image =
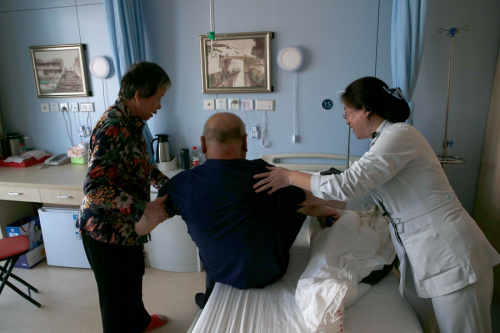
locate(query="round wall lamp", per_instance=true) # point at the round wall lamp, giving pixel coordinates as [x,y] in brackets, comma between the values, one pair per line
[99,67]
[290,58]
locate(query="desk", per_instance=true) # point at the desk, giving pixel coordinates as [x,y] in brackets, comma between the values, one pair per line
[172,249]
[19,187]
[61,185]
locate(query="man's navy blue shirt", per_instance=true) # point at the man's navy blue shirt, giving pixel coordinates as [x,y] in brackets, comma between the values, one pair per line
[243,237]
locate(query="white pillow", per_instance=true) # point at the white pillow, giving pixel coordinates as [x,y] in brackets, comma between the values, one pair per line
[340,257]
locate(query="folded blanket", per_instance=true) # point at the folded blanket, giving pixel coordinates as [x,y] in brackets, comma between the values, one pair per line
[341,256]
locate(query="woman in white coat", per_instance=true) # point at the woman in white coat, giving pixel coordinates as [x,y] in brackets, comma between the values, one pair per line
[445,260]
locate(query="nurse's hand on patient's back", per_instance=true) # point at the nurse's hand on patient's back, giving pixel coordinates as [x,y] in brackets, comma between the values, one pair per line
[275,179]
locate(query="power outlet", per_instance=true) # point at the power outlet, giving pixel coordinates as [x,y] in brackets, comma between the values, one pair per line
[247,104]
[235,104]
[221,104]
[73,107]
[63,107]
[208,104]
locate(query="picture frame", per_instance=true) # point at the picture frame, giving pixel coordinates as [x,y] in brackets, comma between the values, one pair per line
[236,63]
[59,70]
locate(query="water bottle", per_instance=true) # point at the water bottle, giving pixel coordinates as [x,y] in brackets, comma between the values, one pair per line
[21,148]
[195,157]
[27,144]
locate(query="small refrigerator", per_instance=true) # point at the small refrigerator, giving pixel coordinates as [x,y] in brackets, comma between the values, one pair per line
[63,243]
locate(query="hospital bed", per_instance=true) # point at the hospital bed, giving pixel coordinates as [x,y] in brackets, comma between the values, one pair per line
[320,290]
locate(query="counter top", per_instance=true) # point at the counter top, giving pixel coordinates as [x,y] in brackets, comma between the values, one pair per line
[68,176]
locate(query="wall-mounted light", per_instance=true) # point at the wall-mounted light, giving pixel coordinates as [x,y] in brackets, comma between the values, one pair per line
[290,58]
[99,67]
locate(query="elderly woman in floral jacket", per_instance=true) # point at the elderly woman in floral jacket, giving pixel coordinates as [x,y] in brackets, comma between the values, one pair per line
[117,195]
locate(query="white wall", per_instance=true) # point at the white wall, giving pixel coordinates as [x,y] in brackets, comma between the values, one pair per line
[342,40]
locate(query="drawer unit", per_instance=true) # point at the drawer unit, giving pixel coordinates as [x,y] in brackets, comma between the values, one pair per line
[19,193]
[61,196]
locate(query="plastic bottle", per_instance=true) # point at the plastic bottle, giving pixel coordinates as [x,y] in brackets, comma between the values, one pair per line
[27,144]
[21,148]
[195,157]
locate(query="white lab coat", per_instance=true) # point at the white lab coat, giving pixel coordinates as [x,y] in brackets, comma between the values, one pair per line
[446,249]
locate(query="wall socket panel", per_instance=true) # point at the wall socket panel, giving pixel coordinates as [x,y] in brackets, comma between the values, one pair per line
[45,107]
[264,104]
[247,104]
[63,107]
[73,107]
[54,107]
[87,107]
[208,104]
[234,104]
[221,103]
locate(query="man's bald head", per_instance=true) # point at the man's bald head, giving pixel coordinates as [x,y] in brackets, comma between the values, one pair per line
[223,128]
[224,136]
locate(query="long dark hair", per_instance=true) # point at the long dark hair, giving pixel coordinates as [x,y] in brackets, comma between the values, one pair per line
[145,77]
[374,95]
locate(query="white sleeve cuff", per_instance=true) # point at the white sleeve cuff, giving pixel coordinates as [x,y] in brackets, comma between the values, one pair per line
[315,185]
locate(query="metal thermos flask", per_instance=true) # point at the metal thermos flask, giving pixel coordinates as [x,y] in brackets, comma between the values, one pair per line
[185,162]
[10,144]
[162,148]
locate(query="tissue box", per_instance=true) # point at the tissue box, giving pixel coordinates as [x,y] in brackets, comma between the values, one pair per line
[31,258]
[79,150]
[29,226]
[80,160]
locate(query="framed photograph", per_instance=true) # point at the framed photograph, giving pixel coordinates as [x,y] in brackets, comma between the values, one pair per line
[236,63]
[59,70]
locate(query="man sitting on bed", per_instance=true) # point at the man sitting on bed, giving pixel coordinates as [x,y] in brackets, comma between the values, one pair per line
[243,237]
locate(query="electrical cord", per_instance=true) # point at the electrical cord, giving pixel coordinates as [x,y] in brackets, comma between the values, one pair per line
[294,116]
[263,138]
[70,133]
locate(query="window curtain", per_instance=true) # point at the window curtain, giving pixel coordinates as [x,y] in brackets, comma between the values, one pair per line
[407,41]
[124,19]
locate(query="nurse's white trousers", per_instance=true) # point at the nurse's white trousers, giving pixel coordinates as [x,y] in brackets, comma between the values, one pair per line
[466,310]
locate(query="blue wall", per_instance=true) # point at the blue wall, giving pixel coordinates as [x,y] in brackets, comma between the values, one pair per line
[341,40]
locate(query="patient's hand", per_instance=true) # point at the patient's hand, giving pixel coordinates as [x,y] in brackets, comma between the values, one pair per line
[327,221]
[320,211]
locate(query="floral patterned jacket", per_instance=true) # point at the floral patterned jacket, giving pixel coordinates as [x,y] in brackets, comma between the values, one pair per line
[117,185]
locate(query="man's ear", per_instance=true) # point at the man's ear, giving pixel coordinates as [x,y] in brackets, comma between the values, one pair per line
[244,145]
[203,145]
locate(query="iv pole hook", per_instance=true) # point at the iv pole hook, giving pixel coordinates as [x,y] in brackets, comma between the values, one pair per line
[211,34]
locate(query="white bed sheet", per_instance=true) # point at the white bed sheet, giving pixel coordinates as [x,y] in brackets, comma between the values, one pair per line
[274,309]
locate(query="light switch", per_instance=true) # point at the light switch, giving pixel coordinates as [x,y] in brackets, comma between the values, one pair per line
[87,107]
[54,107]
[264,104]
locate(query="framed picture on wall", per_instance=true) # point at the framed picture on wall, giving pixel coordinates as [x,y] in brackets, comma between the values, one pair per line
[59,70]
[236,63]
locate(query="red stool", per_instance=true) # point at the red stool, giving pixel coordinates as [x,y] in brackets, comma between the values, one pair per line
[11,248]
